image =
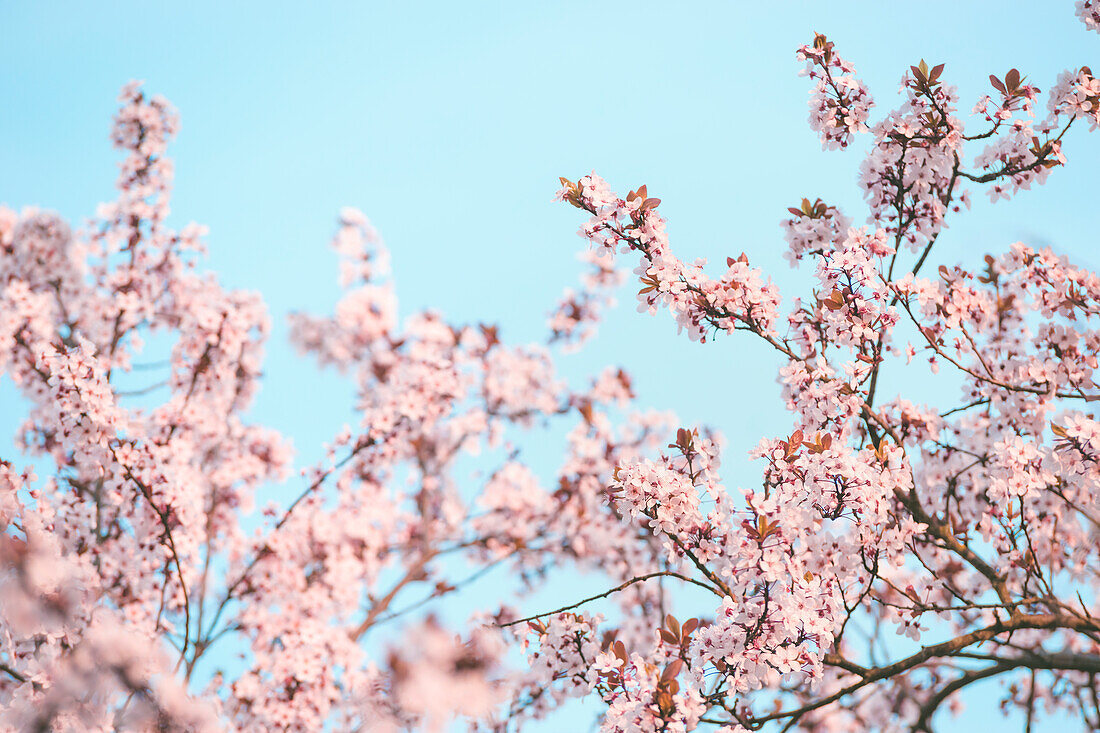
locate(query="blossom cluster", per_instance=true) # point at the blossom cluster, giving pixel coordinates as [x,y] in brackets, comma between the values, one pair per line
[741,298]
[839,102]
[1089,13]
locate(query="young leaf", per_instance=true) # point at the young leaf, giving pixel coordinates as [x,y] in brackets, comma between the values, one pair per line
[672,670]
[673,625]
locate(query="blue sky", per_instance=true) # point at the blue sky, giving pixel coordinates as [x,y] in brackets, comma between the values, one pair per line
[449,123]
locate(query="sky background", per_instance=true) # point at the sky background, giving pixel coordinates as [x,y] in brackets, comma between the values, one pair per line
[448,124]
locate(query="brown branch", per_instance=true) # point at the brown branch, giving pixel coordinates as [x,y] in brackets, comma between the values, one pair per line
[607,593]
[943,649]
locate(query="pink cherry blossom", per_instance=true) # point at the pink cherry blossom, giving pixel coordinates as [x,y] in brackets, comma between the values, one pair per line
[891,552]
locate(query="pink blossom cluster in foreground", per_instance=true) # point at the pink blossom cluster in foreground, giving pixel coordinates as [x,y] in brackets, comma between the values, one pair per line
[892,554]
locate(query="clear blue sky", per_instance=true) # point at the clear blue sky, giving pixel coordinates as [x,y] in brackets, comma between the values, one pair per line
[449,123]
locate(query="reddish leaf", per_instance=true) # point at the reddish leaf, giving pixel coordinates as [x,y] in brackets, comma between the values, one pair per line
[672,670]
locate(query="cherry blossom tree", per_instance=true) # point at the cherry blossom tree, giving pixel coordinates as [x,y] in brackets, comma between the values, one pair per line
[890,555]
